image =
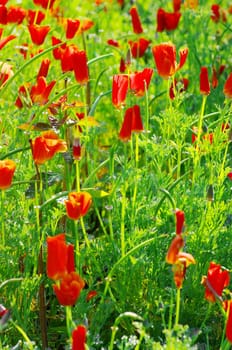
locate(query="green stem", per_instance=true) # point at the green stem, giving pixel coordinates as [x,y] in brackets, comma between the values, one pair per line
[123,212]
[177,306]
[69,321]
[2,218]
[77,245]
[84,232]
[77,175]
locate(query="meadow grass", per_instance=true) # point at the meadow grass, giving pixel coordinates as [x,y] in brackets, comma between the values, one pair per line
[136,186]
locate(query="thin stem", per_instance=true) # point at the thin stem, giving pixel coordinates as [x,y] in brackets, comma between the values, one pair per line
[69,321]
[2,217]
[77,175]
[77,245]
[123,212]
[177,306]
[84,232]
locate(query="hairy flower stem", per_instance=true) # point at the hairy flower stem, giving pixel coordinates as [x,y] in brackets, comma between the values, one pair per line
[177,306]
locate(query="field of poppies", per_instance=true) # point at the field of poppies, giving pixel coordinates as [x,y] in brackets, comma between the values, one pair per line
[115,175]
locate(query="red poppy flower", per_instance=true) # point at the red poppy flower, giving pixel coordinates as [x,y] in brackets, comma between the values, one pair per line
[38,33]
[67,58]
[180,217]
[217,279]
[132,123]
[79,338]
[228,87]
[68,288]
[7,169]
[90,295]
[165,59]
[86,24]
[217,13]
[167,20]
[44,147]
[44,3]
[40,92]
[113,42]
[5,40]
[138,47]
[3,2]
[175,247]
[35,17]
[58,51]
[119,89]
[140,81]
[176,5]
[136,23]
[15,14]
[6,72]
[228,308]
[60,257]
[3,14]
[72,27]
[80,67]
[78,204]
[204,81]
[180,267]
[180,86]
[122,66]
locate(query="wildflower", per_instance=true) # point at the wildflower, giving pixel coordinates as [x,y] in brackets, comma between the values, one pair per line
[44,147]
[138,47]
[35,17]
[40,92]
[72,27]
[215,281]
[58,51]
[38,33]
[86,24]
[80,67]
[60,257]
[204,81]
[15,14]
[167,20]
[165,59]
[119,89]
[7,169]
[67,57]
[228,308]
[175,247]
[79,338]
[217,13]
[228,87]
[132,123]
[68,288]
[178,86]
[179,221]
[44,3]
[136,23]
[3,14]
[6,73]
[78,204]
[91,294]
[44,67]
[140,81]
[180,267]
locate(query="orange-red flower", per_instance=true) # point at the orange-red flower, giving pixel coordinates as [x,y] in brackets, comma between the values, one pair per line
[44,3]
[40,92]
[7,169]
[204,81]
[80,67]
[35,17]
[138,47]
[68,288]
[78,204]
[132,123]
[165,59]
[60,257]
[15,14]
[176,5]
[180,267]
[3,14]
[167,20]
[58,51]
[44,147]
[72,27]
[113,42]
[217,13]
[79,338]
[136,23]
[38,33]
[228,308]
[119,89]
[44,67]
[228,87]
[217,279]
[174,249]
[67,57]
[140,81]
